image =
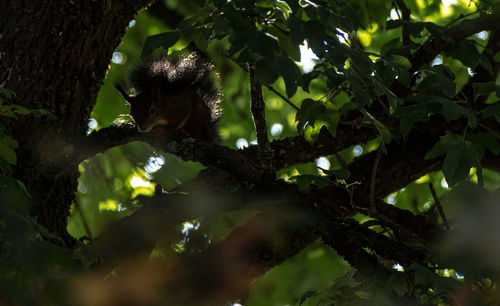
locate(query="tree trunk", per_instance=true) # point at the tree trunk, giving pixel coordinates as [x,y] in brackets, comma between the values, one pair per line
[53,56]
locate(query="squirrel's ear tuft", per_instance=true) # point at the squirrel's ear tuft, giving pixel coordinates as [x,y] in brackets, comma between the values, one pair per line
[129,99]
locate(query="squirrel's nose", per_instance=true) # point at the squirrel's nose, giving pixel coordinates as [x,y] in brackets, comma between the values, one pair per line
[143,129]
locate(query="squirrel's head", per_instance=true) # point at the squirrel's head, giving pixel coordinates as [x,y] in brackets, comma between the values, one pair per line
[153,108]
[142,109]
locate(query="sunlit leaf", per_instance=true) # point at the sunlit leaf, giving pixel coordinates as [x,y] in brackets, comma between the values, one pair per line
[164,40]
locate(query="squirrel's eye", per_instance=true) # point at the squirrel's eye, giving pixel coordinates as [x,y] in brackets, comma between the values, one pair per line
[152,110]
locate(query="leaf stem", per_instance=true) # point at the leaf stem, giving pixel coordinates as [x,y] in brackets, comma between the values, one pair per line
[439,207]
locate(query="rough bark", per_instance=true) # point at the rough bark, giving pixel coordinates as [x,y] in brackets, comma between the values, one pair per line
[55,58]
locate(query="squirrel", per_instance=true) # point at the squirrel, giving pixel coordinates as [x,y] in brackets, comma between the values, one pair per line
[175,93]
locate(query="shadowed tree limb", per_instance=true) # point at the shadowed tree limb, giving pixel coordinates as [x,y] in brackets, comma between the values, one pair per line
[258,109]
[451,36]
[405,11]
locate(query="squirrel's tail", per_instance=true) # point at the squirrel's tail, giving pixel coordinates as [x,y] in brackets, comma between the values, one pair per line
[174,72]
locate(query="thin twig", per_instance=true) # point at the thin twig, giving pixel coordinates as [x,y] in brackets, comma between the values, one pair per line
[280,29]
[439,207]
[281,96]
[267,86]
[460,18]
[489,130]
[234,60]
[84,220]
[341,160]
[373,179]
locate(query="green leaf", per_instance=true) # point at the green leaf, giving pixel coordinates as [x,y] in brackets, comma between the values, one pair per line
[385,72]
[423,276]
[6,111]
[485,140]
[365,295]
[7,149]
[307,79]
[164,40]
[5,167]
[453,111]
[266,71]
[283,7]
[291,74]
[485,62]
[461,155]
[284,41]
[415,28]
[446,143]
[297,32]
[187,25]
[456,165]
[341,173]
[307,179]
[433,28]
[236,19]
[221,27]
[389,46]
[362,62]
[328,19]
[334,79]
[263,44]
[361,96]
[496,57]
[306,295]
[308,112]
[6,92]
[410,115]
[393,24]
[464,51]
[19,109]
[404,77]
[384,132]
[42,112]
[401,60]
[238,41]
[492,110]
[201,38]
[397,283]
[438,78]
[316,37]
[483,88]
[475,159]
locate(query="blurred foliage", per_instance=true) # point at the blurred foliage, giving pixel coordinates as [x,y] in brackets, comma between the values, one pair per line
[358,54]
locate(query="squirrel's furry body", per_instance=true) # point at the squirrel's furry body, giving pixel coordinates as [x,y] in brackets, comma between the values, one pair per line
[175,93]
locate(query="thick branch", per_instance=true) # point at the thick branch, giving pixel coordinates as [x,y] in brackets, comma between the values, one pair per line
[453,35]
[290,221]
[288,152]
[481,73]
[104,139]
[159,214]
[405,11]
[258,109]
